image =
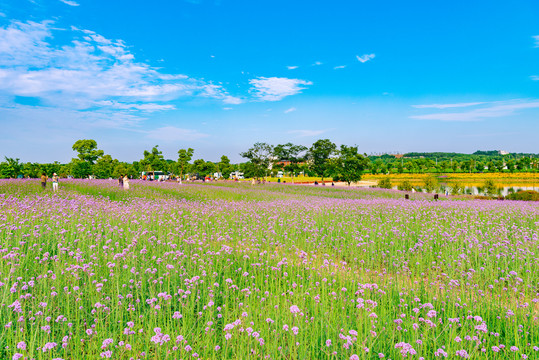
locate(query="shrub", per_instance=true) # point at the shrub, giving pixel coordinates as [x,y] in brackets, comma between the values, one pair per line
[456,189]
[527,195]
[490,187]
[406,186]
[385,183]
[430,183]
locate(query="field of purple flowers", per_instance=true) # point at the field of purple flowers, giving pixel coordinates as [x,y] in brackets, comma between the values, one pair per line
[233,271]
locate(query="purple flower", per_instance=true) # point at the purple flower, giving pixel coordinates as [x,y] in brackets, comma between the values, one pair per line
[294,309]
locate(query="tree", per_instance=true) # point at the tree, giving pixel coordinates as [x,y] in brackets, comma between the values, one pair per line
[120,169]
[511,166]
[87,150]
[104,167]
[80,169]
[184,156]
[261,157]
[32,170]
[203,168]
[154,160]
[292,153]
[349,165]
[224,167]
[11,168]
[319,155]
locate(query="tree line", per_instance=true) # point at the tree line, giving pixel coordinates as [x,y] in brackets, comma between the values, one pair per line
[323,159]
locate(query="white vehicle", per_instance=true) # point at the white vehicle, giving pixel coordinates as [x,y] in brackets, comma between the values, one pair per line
[236,174]
[280,174]
[155,175]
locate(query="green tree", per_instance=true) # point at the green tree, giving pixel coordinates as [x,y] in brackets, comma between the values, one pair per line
[104,167]
[349,165]
[224,167]
[120,169]
[292,153]
[153,160]
[184,156]
[203,168]
[10,168]
[87,150]
[319,155]
[32,170]
[261,157]
[511,166]
[80,169]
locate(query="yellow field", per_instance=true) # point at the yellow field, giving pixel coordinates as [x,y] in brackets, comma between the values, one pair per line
[465,179]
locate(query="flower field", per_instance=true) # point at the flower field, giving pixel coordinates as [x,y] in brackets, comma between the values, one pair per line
[234,271]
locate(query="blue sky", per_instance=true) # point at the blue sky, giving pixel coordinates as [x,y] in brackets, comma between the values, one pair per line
[220,75]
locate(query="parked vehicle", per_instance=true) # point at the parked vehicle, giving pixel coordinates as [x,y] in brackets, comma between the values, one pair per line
[155,175]
[236,174]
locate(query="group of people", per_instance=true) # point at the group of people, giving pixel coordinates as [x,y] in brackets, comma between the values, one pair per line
[55,180]
[123,182]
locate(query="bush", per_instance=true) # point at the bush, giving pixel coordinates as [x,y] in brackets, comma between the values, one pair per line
[385,183]
[405,186]
[490,188]
[456,189]
[527,195]
[430,183]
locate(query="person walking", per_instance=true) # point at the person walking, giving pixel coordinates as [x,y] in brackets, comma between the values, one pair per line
[55,182]
[43,181]
[126,182]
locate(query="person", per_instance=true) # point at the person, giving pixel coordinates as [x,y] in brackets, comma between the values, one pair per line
[315,183]
[43,181]
[54,182]
[126,182]
[332,183]
[121,181]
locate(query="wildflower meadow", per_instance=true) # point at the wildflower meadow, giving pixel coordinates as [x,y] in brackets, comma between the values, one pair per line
[276,271]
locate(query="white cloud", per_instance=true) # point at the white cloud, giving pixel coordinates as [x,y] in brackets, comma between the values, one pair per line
[275,88]
[493,110]
[290,110]
[317,63]
[364,58]
[446,106]
[88,71]
[172,133]
[148,107]
[535,77]
[306,133]
[536,38]
[70,2]
[339,67]
[292,67]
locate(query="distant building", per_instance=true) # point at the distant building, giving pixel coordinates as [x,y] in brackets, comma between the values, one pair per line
[503,152]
